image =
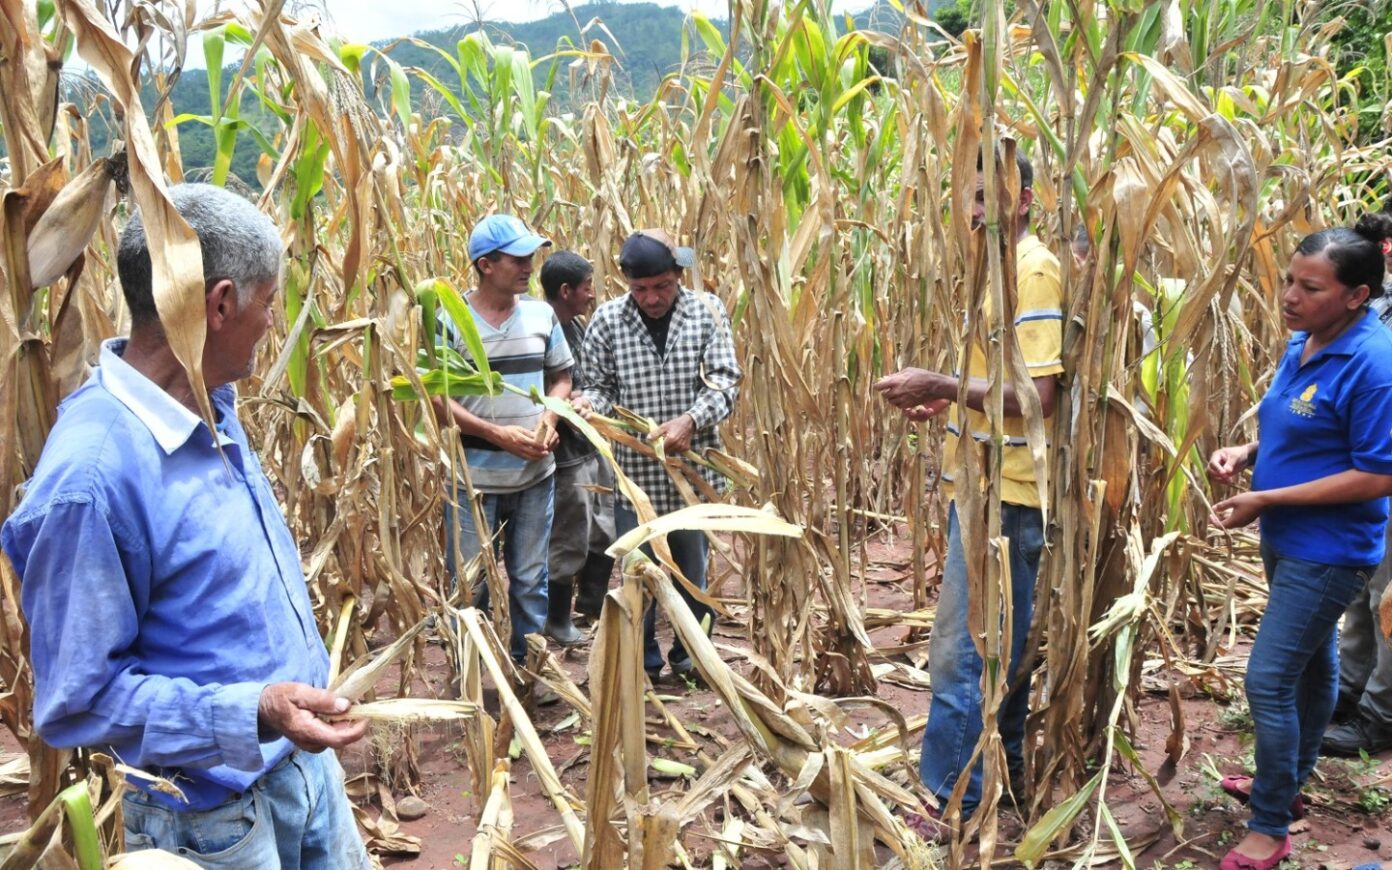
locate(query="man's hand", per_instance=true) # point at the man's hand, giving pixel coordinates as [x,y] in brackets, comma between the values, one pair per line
[1227,463]
[911,387]
[292,710]
[1238,511]
[928,410]
[675,434]
[582,406]
[520,441]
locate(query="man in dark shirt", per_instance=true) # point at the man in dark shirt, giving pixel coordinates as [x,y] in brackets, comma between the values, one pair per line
[664,352]
[583,527]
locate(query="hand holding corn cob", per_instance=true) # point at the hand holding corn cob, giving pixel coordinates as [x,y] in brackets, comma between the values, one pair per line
[293,711]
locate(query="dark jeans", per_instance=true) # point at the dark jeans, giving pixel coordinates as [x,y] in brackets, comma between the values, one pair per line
[954,715]
[1292,678]
[1365,658]
[526,517]
[689,550]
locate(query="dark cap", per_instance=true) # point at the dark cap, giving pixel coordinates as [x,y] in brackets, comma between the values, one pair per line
[652,252]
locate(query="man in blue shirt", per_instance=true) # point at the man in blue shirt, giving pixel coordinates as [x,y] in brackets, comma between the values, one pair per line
[169,619]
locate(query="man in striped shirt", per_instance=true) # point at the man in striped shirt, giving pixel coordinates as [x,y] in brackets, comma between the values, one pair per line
[954,719]
[508,439]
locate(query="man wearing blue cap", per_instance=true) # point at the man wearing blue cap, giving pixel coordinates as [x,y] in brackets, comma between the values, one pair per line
[508,439]
[665,352]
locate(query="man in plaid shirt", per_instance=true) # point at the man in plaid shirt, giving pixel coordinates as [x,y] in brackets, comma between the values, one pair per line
[665,352]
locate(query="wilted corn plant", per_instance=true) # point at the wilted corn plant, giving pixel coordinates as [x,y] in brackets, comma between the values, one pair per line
[826,196]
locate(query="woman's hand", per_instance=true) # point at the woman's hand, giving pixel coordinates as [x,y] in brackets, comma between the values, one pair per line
[1227,463]
[1238,511]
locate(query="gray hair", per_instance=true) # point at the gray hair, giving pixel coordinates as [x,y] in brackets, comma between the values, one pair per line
[238,242]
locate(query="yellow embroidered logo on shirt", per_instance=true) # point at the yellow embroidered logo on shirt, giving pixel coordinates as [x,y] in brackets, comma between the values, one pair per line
[1305,406]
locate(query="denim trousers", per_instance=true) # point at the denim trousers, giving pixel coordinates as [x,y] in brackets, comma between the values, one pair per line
[1365,658]
[689,551]
[954,666]
[296,816]
[525,518]
[1292,678]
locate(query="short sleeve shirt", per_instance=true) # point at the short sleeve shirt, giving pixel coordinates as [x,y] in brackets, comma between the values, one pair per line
[1329,415]
[1039,328]
[523,349]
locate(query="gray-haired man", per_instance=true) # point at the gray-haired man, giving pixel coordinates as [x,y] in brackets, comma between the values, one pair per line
[169,620]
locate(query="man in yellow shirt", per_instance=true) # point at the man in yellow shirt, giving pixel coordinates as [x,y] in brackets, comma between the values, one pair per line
[954,718]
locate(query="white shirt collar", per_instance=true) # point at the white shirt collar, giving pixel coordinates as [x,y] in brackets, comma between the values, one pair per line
[169,422]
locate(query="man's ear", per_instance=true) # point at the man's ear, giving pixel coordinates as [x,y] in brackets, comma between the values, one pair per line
[220,304]
[565,292]
[1026,200]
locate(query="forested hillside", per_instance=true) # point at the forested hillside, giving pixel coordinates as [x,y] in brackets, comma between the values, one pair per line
[647,40]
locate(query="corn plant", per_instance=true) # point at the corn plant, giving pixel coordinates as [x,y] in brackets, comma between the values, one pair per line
[826,193]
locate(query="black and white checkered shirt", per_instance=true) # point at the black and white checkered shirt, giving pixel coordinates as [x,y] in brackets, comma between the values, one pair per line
[698,375]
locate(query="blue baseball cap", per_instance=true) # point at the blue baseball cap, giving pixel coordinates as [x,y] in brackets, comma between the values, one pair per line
[503,232]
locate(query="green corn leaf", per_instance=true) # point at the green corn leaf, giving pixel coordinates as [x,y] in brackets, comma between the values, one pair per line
[352,53]
[1124,748]
[525,89]
[1038,838]
[213,42]
[225,142]
[673,768]
[77,807]
[463,320]
[400,91]
[1124,851]
[439,383]
[445,93]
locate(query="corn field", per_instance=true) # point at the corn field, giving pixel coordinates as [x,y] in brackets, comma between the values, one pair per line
[824,177]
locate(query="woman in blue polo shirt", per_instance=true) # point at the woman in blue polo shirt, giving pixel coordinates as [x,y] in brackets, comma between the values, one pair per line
[1320,486]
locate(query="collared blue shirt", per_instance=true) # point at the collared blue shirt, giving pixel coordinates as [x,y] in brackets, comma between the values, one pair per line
[1330,415]
[162,587]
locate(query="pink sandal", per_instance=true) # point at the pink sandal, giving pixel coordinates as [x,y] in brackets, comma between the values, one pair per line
[1232,785]
[1235,860]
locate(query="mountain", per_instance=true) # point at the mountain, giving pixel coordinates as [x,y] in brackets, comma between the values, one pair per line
[645,38]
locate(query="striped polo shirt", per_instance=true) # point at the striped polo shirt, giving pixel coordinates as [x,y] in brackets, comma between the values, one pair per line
[523,349]
[1039,327]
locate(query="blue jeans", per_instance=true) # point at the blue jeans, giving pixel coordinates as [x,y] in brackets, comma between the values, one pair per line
[689,550]
[296,816]
[1293,678]
[954,666]
[526,517]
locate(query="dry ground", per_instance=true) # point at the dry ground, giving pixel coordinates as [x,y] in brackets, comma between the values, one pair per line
[1351,822]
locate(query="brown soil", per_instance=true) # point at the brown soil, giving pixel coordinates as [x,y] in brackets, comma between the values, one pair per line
[1342,832]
